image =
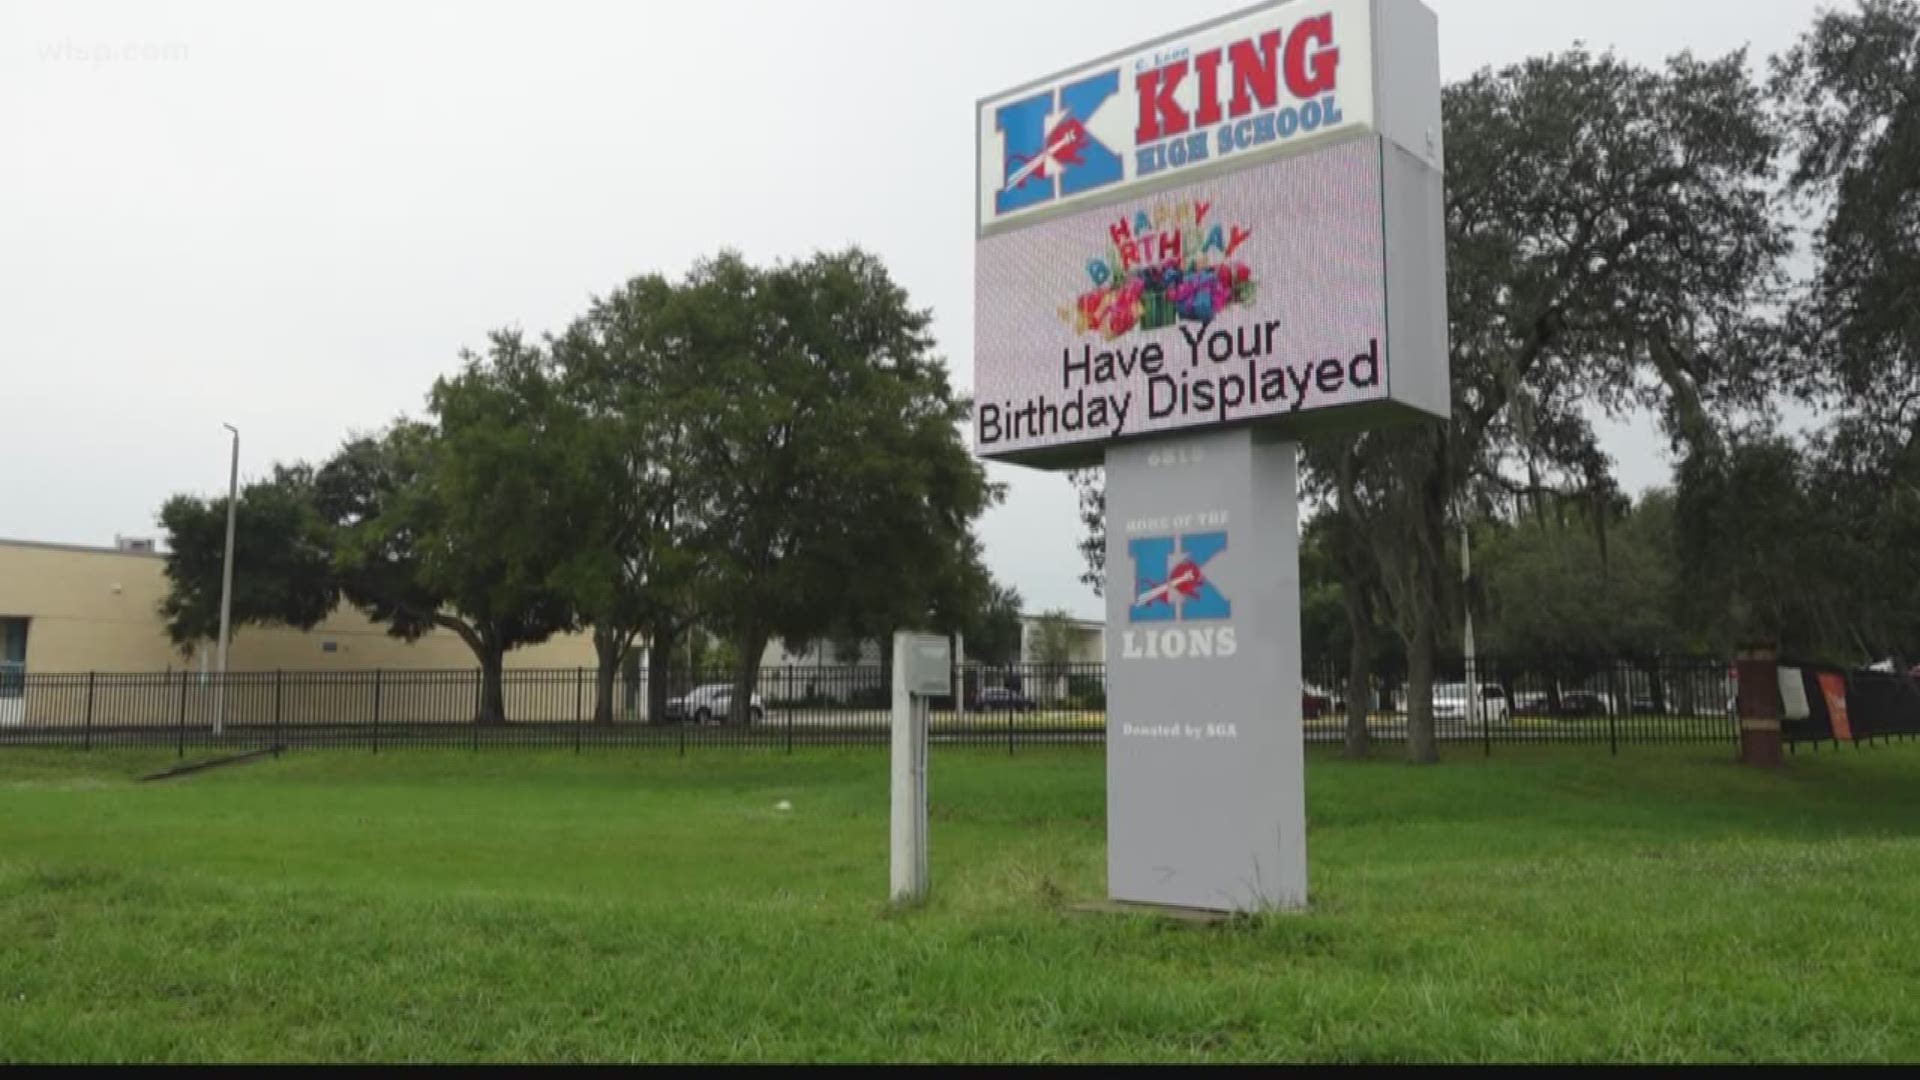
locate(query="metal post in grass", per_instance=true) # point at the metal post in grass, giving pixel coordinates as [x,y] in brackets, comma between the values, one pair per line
[376,710]
[276,711]
[922,670]
[181,747]
[89,735]
[787,688]
[579,677]
[477,693]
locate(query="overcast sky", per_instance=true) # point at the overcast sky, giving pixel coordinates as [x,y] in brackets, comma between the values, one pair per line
[292,216]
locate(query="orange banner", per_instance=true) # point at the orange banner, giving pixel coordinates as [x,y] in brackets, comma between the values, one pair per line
[1833,687]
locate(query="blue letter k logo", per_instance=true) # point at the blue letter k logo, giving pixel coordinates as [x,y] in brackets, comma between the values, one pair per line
[1063,160]
[1169,591]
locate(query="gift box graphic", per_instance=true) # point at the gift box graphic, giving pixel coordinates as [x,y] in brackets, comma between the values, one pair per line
[1130,295]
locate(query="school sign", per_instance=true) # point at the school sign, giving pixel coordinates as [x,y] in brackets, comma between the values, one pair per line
[1190,255]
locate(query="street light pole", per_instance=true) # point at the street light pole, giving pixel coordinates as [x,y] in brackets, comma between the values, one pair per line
[226,586]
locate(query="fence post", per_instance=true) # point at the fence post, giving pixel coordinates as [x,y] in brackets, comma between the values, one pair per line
[1613,715]
[376,710]
[276,711]
[89,736]
[1011,713]
[181,748]
[478,693]
[579,674]
[1757,671]
[1476,698]
[786,680]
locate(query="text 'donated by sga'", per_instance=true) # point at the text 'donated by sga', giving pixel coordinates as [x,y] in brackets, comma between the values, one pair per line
[1181,731]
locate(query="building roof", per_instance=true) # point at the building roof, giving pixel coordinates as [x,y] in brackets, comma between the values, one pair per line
[85,549]
[1083,624]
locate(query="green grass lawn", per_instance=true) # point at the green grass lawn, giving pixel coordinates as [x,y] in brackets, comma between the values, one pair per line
[1663,905]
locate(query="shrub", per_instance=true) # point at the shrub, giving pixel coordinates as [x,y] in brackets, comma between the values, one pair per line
[1087,692]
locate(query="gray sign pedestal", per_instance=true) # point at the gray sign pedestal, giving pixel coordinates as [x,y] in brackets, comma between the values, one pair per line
[1206,804]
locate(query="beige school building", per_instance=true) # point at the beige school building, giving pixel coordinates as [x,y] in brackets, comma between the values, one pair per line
[65,608]
[85,620]
[81,636]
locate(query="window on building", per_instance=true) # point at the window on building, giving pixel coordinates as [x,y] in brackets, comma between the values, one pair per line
[13,657]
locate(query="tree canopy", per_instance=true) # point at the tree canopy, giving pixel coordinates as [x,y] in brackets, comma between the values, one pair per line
[285,577]
[761,451]
[1052,640]
[832,486]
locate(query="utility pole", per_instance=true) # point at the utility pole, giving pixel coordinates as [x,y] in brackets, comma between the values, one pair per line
[226,586]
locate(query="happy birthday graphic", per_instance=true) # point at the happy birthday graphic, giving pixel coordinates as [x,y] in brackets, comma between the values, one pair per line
[1171,263]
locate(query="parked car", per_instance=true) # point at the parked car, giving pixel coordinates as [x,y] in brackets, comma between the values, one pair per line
[1577,703]
[1001,699]
[1573,704]
[714,701]
[1451,702]
[1314,702]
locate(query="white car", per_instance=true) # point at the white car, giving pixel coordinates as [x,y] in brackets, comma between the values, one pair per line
[1450,702]
[714,701]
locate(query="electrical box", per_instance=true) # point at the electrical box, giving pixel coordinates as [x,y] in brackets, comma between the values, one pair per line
[929,665]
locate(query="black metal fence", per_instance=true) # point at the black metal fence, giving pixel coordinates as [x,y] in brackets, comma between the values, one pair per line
[1488,703]
[1495,701]
[1004,705]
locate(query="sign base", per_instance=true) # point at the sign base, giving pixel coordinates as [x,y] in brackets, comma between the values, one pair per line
[1206,805]
[1178,915]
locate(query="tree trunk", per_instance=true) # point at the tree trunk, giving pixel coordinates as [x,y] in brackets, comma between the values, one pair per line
[492,706]
[1359,681]
[1358,604]
[1656,686]
[603,680]
[609,645]
[1534,493]
[751,645]
[1428,586]
[1422,749]
[493,695]
[659,671]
